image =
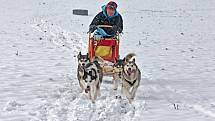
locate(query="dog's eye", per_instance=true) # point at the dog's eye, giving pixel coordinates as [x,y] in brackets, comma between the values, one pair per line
[86,81]
[90,81]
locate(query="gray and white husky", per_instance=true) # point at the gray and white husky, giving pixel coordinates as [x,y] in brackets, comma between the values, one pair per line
[93,76]
[90,76]
[83,60]
[131,77]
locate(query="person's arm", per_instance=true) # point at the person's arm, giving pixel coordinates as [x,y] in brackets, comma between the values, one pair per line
[120,24]
[118,27]
[94,23]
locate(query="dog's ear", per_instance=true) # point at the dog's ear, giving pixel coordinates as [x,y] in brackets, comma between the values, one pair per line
[123,61]
[88,55]
[133,60]
[79,55]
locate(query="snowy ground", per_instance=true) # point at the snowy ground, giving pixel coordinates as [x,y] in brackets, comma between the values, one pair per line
[174,41]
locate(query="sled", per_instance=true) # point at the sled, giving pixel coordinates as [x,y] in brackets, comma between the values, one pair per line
[105,48]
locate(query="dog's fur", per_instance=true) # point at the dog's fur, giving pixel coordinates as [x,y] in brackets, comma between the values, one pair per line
[131,77]
[117,75]
[93,78]
[83,60]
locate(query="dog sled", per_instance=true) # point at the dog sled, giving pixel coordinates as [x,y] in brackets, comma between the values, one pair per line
[105,48]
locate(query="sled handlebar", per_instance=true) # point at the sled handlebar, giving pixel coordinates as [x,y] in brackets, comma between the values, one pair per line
[104,26]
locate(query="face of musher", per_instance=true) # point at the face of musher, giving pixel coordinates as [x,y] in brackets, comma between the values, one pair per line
[110,11]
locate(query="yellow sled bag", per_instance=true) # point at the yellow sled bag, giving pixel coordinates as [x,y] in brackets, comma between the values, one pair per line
[103,51]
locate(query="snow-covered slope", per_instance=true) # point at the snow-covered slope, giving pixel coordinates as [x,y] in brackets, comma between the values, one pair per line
[174,41]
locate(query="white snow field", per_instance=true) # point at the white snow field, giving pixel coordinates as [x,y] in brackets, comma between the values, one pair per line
[175,45]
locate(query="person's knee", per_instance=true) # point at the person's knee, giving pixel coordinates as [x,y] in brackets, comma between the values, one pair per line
[97,37]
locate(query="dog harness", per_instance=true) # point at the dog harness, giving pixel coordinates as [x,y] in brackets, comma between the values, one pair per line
[93,77]
[131,83]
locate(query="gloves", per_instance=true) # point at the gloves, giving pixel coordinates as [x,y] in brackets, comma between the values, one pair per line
[92,28]
[115,28]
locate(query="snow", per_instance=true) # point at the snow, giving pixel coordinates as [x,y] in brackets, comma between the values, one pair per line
[175,46]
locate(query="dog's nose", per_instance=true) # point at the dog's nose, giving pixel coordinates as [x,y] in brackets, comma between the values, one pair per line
[129,69]
[83,64]
[88,87]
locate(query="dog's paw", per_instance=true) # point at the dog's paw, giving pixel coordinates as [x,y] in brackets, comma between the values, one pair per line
[93,101]
[130,100]
[115,87]
[87,90]
[118,97]
[99,94]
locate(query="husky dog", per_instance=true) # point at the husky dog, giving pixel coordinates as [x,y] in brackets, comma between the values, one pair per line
[83,60]
[93,78]
[117,75]
[131,77]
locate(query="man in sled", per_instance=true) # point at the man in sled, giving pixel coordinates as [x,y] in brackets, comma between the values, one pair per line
[108,16]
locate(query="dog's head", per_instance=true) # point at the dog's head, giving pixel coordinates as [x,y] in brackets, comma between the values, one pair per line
[130,67]
[83,59]
[90,76]
[119,64]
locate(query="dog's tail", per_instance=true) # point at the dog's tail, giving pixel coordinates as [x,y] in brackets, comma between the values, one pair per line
[130,57]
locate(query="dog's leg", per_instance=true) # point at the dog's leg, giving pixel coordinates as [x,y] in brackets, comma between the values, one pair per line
[99,83]
[133,93]
[89,95]
[115,84]
[98,89]
[81,85]
[93,94]
[122,89]
[126,93]
[130,100]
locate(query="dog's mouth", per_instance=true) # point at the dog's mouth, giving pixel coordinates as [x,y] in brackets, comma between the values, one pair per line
[130,71]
